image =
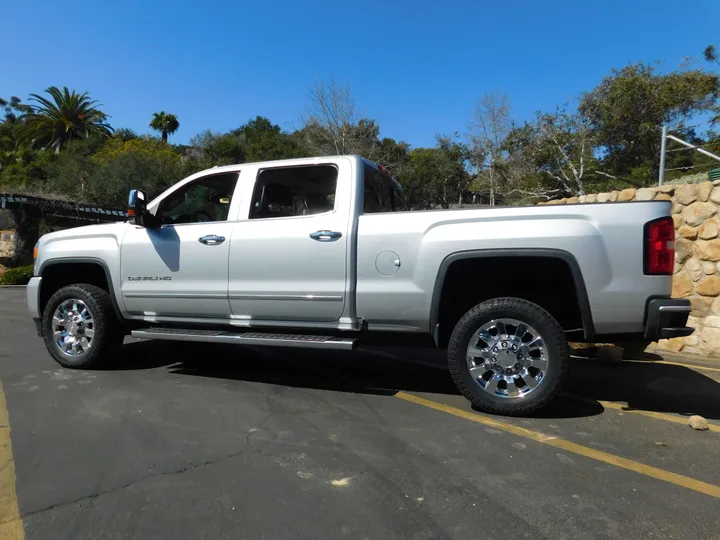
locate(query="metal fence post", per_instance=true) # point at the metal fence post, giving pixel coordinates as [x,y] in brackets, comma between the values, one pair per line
[663,143]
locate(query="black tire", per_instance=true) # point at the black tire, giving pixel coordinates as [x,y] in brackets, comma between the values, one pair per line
[528,313]
[108,334]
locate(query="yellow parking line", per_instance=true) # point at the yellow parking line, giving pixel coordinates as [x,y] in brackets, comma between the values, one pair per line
[624,408]
[654,414]
[647,470]
[11,525]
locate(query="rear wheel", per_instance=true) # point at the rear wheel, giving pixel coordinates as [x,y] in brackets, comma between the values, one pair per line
[508,356]
[80,327]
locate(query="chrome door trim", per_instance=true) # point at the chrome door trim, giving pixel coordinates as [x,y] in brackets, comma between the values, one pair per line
[192,296]
[307,297]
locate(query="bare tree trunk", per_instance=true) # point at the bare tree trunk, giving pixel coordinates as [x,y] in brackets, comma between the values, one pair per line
[492,188]
[491,127]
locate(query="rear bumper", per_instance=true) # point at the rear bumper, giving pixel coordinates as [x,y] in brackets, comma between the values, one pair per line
[667,318]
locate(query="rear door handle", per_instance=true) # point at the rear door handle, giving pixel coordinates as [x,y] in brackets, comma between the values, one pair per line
[325,236]
[211,240]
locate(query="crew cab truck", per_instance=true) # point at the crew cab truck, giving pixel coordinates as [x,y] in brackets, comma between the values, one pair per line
[322,253]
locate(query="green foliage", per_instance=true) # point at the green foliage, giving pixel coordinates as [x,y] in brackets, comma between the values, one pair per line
[125,134]
[261,140]
[17,276]
[710,54]
[627,108]
[165,123]
[209,149]
[13,108]
[11,151]
[557,148]
[257,140]
[394,155]
[436,176]
[138,163]
[54,122]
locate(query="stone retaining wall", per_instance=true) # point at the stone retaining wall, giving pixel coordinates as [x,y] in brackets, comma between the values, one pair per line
[696,212]
[7,244]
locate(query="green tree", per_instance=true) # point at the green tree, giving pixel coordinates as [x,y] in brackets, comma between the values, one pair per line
[710,55]
[165,123]
[123,165]
[65,116]
[436,176]
[209,149]
[13,153]
[627,109]
[559,148]
[262,140]
[125,134]
[13,108]
[393,155]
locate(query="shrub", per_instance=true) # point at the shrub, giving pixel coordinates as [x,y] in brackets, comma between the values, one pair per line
[17,276]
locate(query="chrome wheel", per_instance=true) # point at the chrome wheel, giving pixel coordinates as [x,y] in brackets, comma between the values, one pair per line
[507,358]
[73,327]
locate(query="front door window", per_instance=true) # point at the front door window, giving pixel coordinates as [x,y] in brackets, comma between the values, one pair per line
[204,200]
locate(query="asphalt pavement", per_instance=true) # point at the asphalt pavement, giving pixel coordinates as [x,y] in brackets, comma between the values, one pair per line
[201,441]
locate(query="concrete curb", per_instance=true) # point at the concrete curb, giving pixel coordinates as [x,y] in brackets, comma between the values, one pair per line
[13,287]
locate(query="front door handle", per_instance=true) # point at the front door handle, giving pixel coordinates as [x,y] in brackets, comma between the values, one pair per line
[325,236]
[211,240]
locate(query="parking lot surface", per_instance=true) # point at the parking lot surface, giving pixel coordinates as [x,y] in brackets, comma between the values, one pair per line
[200,441]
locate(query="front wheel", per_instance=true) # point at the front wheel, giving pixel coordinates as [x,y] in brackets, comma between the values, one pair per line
[508,356]
[80,327]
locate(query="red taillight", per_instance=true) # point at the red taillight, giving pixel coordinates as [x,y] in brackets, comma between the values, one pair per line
[660,247]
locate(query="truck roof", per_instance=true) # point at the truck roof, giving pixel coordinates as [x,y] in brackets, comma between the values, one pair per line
[275,162]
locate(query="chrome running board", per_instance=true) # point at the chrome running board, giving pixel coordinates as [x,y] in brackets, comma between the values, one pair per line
[247,338]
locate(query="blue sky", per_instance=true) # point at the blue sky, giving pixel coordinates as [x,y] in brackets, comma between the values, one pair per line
[417,67]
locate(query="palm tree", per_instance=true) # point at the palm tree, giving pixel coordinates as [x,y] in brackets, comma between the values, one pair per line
[165,123]
[51,123]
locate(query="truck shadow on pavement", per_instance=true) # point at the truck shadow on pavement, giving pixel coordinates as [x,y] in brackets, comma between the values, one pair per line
[647,386]
[643,386]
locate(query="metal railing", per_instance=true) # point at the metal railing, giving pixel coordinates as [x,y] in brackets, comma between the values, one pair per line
[663,150]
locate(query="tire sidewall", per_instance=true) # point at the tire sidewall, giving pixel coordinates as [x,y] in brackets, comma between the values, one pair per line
[99,326]
[543,325]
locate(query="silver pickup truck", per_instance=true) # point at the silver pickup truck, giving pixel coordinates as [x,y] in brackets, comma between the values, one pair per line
[322,253]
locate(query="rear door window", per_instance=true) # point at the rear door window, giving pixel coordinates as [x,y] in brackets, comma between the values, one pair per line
[294,191]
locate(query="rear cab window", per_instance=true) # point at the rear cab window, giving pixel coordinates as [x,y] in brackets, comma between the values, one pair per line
[381,193]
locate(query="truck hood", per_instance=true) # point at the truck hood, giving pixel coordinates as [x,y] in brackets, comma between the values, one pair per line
[102,230]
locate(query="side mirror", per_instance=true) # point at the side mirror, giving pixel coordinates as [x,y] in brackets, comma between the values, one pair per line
[137,208]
